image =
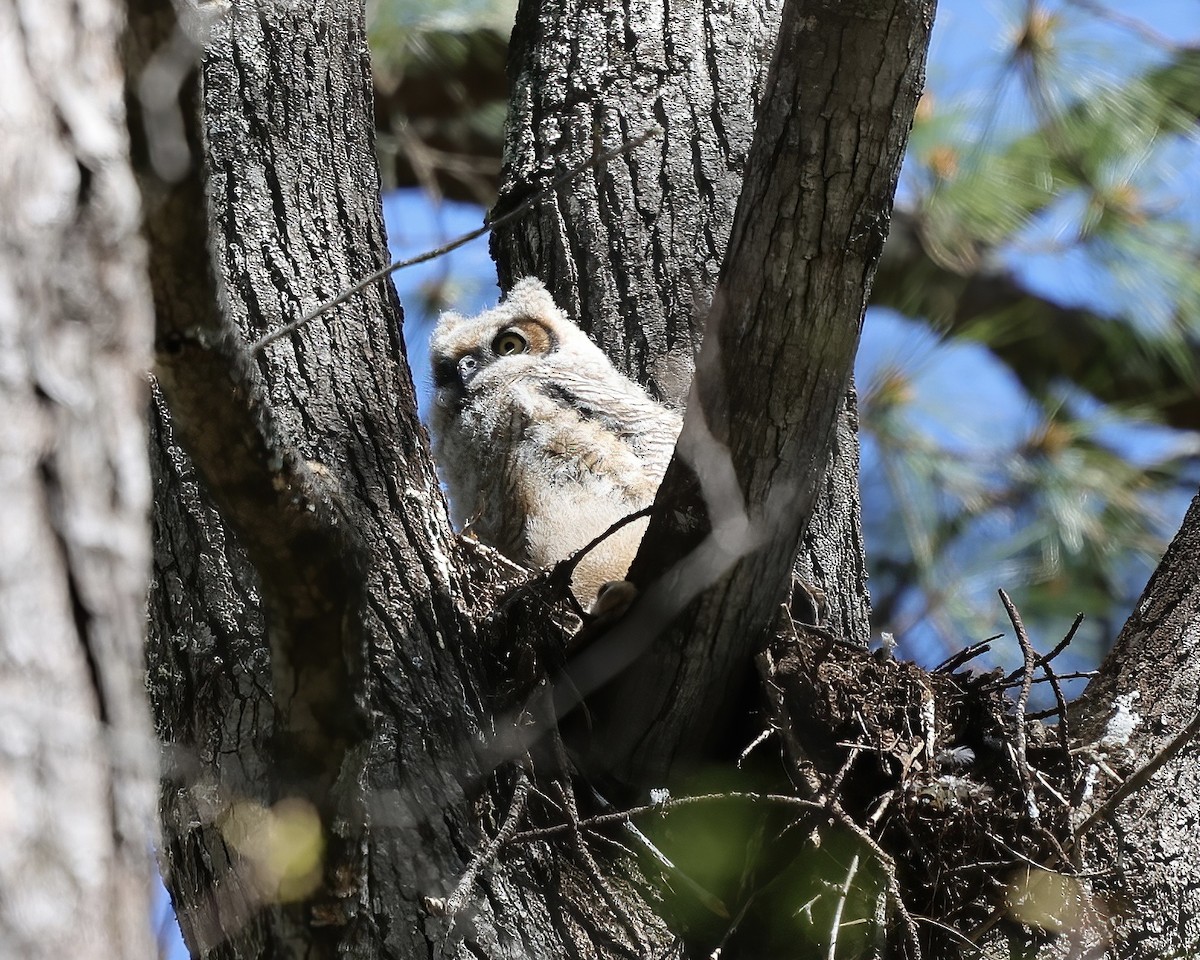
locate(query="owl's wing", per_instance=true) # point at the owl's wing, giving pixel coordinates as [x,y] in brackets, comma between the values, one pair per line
[621,407]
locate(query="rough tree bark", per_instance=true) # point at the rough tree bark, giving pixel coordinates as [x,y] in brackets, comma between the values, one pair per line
[634,249]
[77,757]
[776,360]
[1141,716]
[319,466]
[315,447]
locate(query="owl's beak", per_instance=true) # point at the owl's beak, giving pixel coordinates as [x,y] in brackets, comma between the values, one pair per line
[445,373]
[450,379]
[468,366]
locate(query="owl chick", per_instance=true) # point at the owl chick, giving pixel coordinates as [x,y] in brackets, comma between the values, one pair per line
[542,444]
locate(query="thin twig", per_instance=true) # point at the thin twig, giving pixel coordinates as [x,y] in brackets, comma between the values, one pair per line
[516,810]
[882,803]
[1064,642]
[889,872]
[1052,790]
[835,785]
[1047,864]
[799,769]
[1076,675]
[520,210]
[568,795]
[992,867]
[1064,739]
[966,654]
[623,816]
[831,639]
[754,745]
[564,570]
[986,924]
[839,906]
[1132,24]
[1059,648]
[958,935]
[733,925]
[1022,758]
[707,899]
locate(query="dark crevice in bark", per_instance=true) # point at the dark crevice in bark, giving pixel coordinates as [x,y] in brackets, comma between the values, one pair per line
[81,615]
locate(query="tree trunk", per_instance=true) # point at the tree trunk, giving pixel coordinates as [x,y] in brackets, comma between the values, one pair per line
[275,479]
[77,759]
[630,275]
[1139,718]
[633,250]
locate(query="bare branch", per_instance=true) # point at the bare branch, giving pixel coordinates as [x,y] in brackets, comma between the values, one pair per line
[843,892]
[485,857]
[965,655]
[781,338]
[1022,758]
[624,816]
[911,937]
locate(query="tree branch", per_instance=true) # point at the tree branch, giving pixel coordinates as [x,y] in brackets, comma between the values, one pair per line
[772,373]
[1042,342]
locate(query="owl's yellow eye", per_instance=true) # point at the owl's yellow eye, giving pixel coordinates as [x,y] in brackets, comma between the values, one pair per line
[508,343]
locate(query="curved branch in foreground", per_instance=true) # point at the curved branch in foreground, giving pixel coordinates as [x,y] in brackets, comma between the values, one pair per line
[772,374]
[78,759]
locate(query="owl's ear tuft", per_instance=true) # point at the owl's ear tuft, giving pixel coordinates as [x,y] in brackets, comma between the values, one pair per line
[448,320]
[530,294]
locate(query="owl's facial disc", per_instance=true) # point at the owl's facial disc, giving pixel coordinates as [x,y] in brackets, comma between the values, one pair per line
[456,375]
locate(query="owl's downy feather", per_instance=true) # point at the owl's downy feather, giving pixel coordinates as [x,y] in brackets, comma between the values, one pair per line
[542,443]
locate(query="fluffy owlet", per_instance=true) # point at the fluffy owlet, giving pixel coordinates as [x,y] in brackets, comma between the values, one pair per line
[542,443]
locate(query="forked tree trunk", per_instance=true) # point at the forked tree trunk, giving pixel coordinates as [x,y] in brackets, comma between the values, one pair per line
[633,250]
[379,697]
[336,691]
[77,757]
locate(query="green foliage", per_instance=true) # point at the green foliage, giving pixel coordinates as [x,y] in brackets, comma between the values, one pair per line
[1058,510]
[435,37]
[1069,153]
[440,93]
[759,880]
